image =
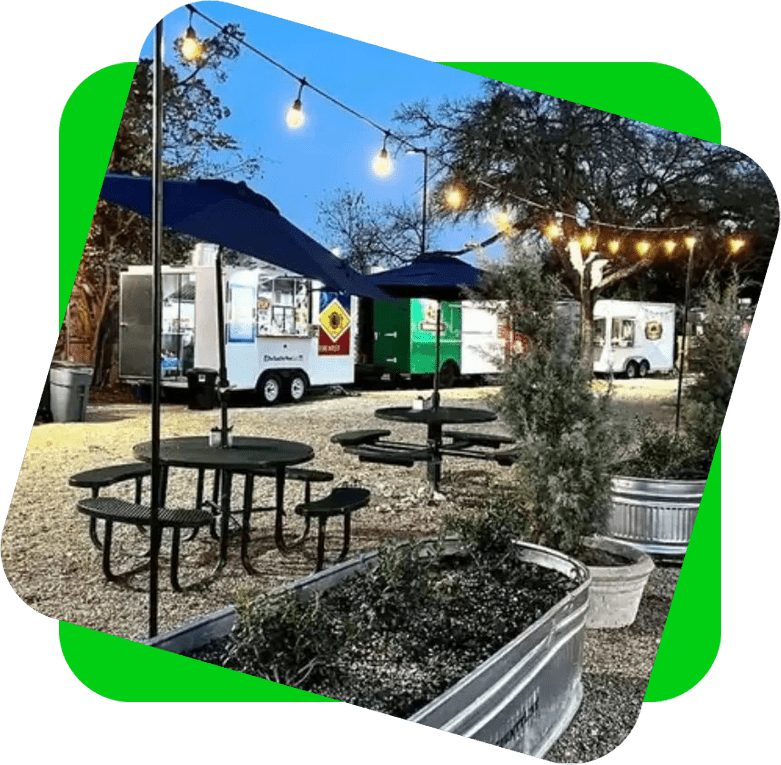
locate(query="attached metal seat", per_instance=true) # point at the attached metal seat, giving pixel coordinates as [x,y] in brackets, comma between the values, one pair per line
[343,500]
[112,510]
[491,440]
[359,437]
[99,478]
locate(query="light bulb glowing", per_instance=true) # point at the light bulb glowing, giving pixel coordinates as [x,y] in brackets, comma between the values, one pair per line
[613,246]
[454,197]
[642,248]
[587,242]
[669,246]
[501,221]
[553,231]
[381,164]
[736,245]
[690,241]
[192,47]
[294,116]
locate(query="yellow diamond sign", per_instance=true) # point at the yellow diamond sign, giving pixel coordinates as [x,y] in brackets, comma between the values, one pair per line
[334,320]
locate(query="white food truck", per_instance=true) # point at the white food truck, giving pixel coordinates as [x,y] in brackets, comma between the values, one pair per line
[633,338]
[283,333]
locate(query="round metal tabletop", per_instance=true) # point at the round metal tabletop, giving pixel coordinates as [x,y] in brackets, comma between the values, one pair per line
[443,415]
[246,452]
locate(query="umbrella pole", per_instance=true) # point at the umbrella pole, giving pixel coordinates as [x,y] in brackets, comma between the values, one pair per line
[221,350]
[435,395]
[157,223]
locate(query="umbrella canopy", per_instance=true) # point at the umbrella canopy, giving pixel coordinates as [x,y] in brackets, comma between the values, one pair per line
[235,216]
[434,275]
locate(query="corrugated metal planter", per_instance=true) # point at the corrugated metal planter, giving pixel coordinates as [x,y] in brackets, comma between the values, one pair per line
[616,591]
[521,698]
[655,515]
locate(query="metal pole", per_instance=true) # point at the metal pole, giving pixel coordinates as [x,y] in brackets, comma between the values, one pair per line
[157,226]
[221,348]
[691,244]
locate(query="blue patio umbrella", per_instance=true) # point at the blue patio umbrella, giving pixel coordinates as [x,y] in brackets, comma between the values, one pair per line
[436,276]
[433,275]
[234,216]
[230,215]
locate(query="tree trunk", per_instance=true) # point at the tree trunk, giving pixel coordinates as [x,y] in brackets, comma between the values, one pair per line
[587,322]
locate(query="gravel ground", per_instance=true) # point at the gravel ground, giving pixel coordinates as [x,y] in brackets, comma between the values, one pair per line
[51,564]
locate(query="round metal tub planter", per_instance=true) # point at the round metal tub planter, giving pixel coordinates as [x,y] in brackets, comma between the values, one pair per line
[656,515]
[521,698]
[616,591]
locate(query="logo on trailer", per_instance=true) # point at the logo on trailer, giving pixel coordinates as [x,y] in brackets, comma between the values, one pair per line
[334,325]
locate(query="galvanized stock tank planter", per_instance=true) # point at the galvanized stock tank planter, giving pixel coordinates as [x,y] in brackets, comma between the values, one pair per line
[522,698]
[616,591]
[654,514]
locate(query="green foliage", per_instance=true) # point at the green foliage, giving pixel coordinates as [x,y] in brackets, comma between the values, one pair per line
[715,358]
[565,437]
[661,453]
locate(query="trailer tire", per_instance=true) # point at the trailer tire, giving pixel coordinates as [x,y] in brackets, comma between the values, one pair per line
[631,370]
[448,374]
[297,387]
[644,368]
[269,389]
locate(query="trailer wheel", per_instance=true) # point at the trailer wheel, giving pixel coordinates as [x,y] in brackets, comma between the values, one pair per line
[631,370]
[270,389]
[644,368]
[448,374]
[297,387]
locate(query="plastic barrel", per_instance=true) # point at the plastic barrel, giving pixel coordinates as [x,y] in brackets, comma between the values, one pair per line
[69,392]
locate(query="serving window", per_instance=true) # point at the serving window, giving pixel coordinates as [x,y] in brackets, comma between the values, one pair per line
[623,333]
[282,306]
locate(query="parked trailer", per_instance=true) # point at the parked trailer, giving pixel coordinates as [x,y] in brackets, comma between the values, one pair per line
[283,333]
[401,341]
[633,338]
[475,340]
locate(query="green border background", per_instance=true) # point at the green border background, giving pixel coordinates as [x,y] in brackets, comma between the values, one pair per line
[653,93]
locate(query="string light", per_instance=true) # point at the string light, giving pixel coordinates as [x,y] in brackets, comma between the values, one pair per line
[455,195]
[381,164]
[643,247]
[192,48]
[295,116]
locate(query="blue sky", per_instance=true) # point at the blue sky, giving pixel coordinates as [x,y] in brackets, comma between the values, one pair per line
[333,149]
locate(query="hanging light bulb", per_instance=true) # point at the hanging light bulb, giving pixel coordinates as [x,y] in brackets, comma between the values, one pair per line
[643,248]
[613,246]
[381,163]
[736,244]
[669,246]
[587,242]
[294,116]
[192,48]
[501,221]
[455,196]
[553,231]
[690,241]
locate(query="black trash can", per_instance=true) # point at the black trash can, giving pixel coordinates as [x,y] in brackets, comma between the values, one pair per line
[202,388]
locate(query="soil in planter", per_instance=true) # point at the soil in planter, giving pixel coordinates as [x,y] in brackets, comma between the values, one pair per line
[395,638]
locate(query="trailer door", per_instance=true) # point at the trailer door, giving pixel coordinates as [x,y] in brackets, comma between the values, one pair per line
[135,326]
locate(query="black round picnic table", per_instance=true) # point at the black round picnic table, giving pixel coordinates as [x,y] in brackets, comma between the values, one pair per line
[247,453]
[434,418]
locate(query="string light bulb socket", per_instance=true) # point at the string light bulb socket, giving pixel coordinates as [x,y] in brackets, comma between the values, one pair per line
[295,115]
[381,164]
[192,48]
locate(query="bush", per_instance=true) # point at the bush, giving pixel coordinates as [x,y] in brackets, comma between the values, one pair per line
[661,453]
[715,358]
[565,436]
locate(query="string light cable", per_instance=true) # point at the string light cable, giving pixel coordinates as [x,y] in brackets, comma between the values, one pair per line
[456,192]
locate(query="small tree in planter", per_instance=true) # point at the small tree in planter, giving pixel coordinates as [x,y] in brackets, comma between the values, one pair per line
[565,436]
[656,492]
[715,359]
